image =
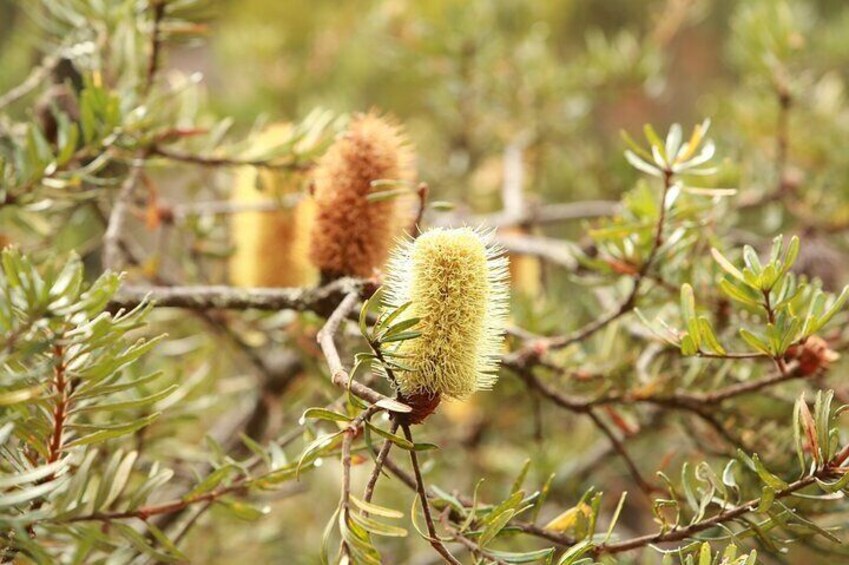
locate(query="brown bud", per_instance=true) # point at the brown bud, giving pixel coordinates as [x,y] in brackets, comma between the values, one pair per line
[423,404]
[813,355]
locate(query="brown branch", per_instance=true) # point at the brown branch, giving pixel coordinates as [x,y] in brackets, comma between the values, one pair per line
[321,300]
[339,376]
[210,161]
[113,257]
[536,215]
[226,207]
[422,193]
[420,489]
[678,399]
[146,512]
[644,485]
[158,8]
[782,139]
[60,409]
[378,464]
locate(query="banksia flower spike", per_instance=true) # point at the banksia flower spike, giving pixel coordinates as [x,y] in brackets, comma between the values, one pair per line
[455,282]
[352,235]
[270,247]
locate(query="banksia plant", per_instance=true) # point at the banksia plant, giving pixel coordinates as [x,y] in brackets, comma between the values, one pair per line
[270,246]
[352,234]
[455,282]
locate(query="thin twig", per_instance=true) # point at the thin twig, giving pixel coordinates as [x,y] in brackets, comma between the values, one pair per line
[158,8]
[113,257]
[644,485]
[538,215]
[226,207]
[35,77]
[339,376]
[378,464]
[420,489]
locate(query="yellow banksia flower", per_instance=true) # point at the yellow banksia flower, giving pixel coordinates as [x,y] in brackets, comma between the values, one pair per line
[352,235]
[270,247]
[456,281]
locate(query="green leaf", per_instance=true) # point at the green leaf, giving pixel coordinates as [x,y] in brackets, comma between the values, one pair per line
[709,337]
[324,414]
[375,509]
[495,525]
[688,311]
[244,510]
[517,484]
[767,498]
[385,195]
[726,265]
[403,336]
[211,482]
[400,327]
[378,528]
[755,342]
[397,440]
[688,346]
[740,292]
[750,257]
[655,140]
[524,557]
[127,404]
[111,432]
[34,475]
[575,552]
[31,493]
[768,478]
[615,517]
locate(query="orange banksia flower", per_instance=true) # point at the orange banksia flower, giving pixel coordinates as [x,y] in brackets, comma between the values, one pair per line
[352,235]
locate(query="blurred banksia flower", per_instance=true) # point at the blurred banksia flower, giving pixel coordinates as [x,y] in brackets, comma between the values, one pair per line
[352,235]
[456,284]
[525,270]
[271,246]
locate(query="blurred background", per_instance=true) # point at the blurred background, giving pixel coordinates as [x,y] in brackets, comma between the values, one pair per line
[473,80]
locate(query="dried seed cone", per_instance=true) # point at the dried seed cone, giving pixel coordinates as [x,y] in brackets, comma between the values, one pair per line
[271,246]
[456,283]
[351,235]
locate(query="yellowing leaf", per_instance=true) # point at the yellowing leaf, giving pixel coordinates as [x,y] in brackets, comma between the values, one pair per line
[569,519]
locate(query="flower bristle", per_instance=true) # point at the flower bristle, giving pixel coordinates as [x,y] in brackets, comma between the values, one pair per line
[456,281]
[352,235]
[270,247]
